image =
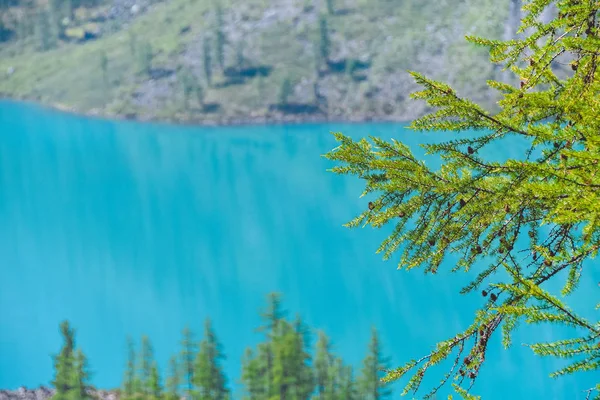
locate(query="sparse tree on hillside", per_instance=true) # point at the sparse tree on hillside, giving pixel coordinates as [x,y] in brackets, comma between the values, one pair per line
[330,6]
[221,40]
[199,91]
[56,14]
[186,80]
[144,58]
[132,42]
[324,43]
[491,212]
[104,68]
[285,91]
[207,62]
[239,55]
[46,40]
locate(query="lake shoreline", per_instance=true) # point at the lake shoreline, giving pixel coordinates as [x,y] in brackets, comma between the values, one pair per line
[272,119]
[44,393]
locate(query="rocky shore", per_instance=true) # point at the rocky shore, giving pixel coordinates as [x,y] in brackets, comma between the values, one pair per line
[43,393]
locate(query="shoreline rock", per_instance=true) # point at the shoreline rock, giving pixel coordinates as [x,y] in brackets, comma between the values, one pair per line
[243,120]
[44,393]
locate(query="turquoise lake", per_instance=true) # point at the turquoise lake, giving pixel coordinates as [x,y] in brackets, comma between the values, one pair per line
[131,229]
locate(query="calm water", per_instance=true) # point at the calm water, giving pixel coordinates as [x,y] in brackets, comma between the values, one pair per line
[138,229]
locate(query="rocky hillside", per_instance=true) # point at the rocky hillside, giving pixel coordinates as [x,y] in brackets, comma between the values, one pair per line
[246,60]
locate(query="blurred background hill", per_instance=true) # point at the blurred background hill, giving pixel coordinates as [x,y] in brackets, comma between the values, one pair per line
[245,60]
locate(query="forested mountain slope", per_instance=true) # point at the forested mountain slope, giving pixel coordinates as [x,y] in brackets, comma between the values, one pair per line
[245,60]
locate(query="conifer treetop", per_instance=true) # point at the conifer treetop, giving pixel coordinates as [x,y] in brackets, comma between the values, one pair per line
[477,208]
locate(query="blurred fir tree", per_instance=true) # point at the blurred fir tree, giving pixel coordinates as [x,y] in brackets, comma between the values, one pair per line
[370,384]
[209,379]
[70,368]
[187,357]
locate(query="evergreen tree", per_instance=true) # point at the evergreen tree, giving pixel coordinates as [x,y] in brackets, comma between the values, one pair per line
[239,56]
[371,386]
[207,62]
[173,380]
[55,15]
[324,43]
[64,362]
[272,315]
[81,378]
[132,42]
[330,6]
[146,363]
[43,30]
[187,83]
[347,387]
[71,368]
[285,91]
[144,58]
[290,376]
[482,208]
[252,376]
[209,377]
[129,378]
[199,91]
[303,384]
[188,357]
[322,365]
[104,68]
[154,383]
[221,41]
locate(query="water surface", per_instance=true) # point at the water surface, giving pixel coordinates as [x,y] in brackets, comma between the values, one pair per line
[127,228]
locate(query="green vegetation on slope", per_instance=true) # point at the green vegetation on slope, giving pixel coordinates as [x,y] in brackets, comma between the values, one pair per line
[281,367]
[194,60]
